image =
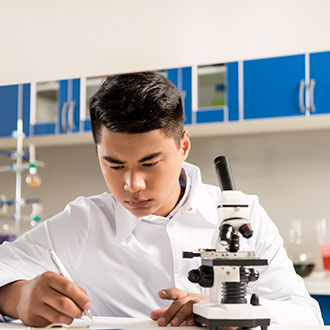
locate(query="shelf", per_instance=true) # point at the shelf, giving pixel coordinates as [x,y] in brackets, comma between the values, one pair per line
[318,283]
[255,126]
[50,140]
[261,126]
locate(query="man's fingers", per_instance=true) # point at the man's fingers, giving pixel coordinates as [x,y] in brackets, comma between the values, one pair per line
[184,313]
[54,316]
[190,321]
[63,304]
[157,313]
[171,312]
[172,294]
[69,289]
[36,321]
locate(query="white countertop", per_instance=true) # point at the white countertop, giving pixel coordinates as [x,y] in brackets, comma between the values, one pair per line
[318,283]
[136,324]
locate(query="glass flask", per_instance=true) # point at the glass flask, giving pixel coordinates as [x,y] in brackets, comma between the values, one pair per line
[298,251]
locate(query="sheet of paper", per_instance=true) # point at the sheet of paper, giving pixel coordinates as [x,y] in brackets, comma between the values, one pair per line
[77,323]
[97,325]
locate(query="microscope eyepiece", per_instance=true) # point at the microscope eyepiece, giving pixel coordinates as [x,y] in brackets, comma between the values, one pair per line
[223,172]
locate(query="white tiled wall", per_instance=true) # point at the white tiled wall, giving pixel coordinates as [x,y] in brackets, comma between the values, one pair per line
[289,172]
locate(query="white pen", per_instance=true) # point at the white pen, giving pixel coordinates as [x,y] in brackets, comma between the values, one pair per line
[62,271]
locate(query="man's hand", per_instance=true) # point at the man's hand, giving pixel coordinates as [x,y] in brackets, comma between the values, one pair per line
[180,310]
[48,298]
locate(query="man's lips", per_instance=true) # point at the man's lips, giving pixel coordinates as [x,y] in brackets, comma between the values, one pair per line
[136,203]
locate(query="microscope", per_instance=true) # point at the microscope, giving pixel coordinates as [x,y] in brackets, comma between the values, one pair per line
[225,269]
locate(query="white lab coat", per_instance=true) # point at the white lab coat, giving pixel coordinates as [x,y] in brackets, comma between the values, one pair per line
[123,261]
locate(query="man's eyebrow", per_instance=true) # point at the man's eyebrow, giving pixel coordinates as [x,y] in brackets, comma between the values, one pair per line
[142,160]
[149,157]
[113,160]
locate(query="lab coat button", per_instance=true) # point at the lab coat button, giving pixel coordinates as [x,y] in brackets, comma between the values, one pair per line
[189,209]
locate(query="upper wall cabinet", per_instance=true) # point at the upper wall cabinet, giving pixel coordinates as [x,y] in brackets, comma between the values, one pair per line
[287,86]
[319,87]
[88,87]
[10,107]
[55,107]
[273,88]
[181,78]
[214,93]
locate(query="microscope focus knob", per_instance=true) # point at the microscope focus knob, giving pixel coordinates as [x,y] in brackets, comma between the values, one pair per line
[203,276]
[253,275]
[194,276]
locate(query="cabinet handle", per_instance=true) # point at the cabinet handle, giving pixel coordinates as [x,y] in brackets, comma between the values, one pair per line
[301,96]
[70,115]
[311,94]
[63,116]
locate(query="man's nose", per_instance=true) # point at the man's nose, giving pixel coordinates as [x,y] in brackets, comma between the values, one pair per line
[134,182]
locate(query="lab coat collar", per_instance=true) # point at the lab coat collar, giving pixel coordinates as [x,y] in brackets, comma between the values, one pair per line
[198,201]
[125,222]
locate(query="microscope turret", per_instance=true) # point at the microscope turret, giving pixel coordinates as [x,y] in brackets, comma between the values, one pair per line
[225,269]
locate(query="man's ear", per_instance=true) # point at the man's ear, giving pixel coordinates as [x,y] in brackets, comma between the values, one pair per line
[185,144]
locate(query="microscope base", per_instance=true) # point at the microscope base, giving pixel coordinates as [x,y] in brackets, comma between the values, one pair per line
[214,315]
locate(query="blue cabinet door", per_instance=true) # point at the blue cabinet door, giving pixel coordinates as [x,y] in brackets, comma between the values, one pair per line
[9,109]
[69,106]
[181,78]
[271,87]
[320,73]
[324,302]
[63,100]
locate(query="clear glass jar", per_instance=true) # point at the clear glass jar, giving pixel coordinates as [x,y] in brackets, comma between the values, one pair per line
[298,251]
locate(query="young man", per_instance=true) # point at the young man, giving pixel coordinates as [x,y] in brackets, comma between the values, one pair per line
[124,249]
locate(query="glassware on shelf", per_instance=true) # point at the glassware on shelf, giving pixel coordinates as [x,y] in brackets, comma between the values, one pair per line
[212,81]
[298,251]
[7,229]
[323,232]
[47,94]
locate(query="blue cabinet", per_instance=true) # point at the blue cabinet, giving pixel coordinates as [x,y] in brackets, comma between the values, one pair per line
[217,93]
[55,107]
[324,302]
[69,110]
[9,109]
[210,93]
[272,87]
[181,78]
[296,85]
[320,83]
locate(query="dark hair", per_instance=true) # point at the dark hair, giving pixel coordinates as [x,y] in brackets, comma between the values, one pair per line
[137,103]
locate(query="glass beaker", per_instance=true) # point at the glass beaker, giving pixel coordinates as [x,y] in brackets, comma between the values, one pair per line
[298,251]
[323,232]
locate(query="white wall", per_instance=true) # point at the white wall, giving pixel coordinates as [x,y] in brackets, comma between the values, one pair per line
[59,39]
[290,172]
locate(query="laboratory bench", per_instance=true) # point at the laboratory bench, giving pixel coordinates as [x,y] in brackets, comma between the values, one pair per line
[138,324]
[318,286]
